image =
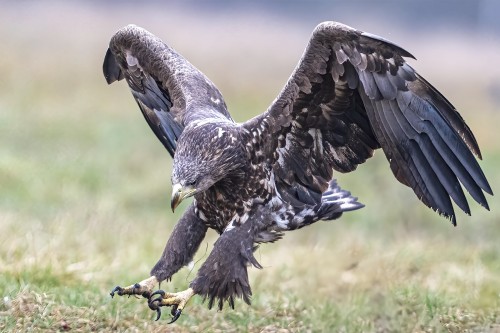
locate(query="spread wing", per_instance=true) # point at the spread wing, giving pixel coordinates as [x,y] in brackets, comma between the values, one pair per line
[351,93]
[170,91]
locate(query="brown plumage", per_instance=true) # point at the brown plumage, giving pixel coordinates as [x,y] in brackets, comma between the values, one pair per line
[351,93]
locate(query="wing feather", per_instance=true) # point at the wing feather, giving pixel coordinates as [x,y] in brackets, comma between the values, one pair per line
[356,93]
[436,152]
[170,92]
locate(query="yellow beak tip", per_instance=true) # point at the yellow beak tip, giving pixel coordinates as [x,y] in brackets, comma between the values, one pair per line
[178,194]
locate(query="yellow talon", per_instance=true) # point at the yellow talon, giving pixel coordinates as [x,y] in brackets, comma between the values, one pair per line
[144,288]
[177,300]
[180,299]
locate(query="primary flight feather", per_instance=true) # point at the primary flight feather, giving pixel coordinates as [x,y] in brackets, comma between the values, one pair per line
[350,94]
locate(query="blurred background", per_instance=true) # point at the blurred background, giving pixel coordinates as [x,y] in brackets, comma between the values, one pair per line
[85,185]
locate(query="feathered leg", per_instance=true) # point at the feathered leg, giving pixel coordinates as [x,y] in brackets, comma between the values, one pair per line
[222,277]
[179,251]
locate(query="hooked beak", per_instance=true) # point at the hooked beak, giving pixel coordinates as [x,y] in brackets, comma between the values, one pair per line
[180,193]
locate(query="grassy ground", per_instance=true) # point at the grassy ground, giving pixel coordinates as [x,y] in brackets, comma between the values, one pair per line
[84,192]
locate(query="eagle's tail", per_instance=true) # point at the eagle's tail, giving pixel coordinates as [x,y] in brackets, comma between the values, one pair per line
[335,201]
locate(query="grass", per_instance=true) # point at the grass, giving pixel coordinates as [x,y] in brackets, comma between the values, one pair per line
[84,190]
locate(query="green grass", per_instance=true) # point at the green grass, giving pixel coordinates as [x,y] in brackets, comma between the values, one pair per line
[84,192]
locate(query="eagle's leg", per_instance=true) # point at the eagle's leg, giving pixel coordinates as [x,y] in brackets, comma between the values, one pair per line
[223,277]
[183,243]
[143,288]
[176,300]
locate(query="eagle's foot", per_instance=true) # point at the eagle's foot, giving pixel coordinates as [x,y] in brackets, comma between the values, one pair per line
[143,288]
[177,300]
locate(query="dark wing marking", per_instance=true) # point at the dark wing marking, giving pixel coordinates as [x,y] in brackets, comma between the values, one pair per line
[170,92]
[351,93]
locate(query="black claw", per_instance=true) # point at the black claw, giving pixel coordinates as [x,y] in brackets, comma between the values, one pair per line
[118,290]
[155,304]
[158,313]
[158,292]
[174,310]
[175,315]
[156,300]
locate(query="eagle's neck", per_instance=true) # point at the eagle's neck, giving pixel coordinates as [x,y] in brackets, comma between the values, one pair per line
[224,200]
[230,183]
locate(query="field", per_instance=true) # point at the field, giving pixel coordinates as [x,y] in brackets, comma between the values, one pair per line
[85,190]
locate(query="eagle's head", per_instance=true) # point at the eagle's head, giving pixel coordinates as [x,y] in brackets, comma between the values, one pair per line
[205,154]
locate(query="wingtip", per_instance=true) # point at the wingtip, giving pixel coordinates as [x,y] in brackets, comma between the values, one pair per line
[487,188]
[452,218]
[110,68]
[398,48]
[485,205]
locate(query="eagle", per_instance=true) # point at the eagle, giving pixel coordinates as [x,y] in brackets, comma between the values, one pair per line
[351,93]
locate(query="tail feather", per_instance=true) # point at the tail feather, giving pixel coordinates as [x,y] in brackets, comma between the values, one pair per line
[335,201]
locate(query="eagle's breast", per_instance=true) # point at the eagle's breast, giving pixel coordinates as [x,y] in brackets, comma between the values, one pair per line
[230,201]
